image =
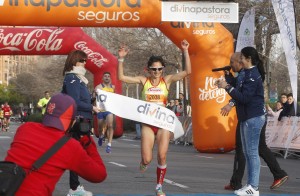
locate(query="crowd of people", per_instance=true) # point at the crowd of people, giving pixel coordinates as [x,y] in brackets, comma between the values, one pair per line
[72,111]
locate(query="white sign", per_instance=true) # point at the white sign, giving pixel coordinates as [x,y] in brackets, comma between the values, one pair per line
[193,11]
[284,11]
[246,31]
[141,111]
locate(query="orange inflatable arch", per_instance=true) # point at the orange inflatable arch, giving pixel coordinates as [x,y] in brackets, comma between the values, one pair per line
[211,45]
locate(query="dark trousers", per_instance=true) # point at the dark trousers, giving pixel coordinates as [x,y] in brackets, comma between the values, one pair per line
[239,161]
[264,152]
[74,180]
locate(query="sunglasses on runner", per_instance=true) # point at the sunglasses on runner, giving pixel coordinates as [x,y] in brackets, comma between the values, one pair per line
[82,61]
[156,69]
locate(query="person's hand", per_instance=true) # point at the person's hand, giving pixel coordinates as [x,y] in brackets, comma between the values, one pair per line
[225,110]
[185,45]
[221,83]
[96,109]
[226,72]
[85,141]
[123,51]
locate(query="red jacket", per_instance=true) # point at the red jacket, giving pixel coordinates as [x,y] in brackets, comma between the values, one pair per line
[34,139]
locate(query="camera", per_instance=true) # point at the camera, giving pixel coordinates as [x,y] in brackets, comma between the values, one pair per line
[81,127]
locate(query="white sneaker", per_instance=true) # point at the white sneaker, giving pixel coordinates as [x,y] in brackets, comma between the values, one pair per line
[79,192]
[246,191]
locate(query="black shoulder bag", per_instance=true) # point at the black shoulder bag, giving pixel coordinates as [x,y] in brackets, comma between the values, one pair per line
[12,175]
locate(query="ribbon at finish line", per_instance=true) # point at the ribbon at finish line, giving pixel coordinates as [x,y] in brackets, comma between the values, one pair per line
[140,111]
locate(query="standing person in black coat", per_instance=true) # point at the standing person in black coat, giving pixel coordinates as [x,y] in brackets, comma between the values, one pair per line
[75,85]
[288,108]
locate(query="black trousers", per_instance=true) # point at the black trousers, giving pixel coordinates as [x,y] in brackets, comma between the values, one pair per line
[264,152]
[74,180]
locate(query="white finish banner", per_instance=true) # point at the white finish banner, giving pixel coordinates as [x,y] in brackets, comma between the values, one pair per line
[284,11]
[195,11]
[246,31]
[141,111]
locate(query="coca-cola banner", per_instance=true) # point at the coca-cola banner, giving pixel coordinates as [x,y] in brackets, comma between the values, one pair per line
[60,41]
[56,41]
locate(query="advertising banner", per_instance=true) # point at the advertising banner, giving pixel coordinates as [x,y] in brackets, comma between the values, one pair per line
[140,111]
[285,15]
[81,13]
[283,134]
[196,11]
[246,31]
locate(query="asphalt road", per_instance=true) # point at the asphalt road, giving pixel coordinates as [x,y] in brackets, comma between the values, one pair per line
[189,172]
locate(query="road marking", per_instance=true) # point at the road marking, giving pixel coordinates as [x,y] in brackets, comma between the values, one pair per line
[128,140]
[118,164]
[204,157]
[134,145]
[175,184]
[5,137]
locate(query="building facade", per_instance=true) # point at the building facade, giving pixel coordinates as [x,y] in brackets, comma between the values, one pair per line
[12,65]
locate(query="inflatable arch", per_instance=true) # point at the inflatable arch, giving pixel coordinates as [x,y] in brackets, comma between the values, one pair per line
[57,41]
[210,47]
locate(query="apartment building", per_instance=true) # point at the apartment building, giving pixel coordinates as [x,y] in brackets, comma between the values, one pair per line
[12,65]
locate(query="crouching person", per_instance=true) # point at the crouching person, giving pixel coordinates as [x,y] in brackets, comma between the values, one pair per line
[32,140]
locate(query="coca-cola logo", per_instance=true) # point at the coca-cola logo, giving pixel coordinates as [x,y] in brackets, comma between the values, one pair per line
[32,41]
[95,57]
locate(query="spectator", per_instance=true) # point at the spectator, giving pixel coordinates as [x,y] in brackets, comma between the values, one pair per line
[279,108]
[288,108]
[75,85]
[171,105]
[34,139]
[283,98]
[178,109]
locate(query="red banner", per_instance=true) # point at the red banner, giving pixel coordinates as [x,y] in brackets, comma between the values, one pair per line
[60,41]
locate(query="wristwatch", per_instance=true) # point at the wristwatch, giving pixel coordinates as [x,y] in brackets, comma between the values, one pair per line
[231,104]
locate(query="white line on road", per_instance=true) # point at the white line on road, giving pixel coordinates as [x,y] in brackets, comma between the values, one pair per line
[134,145]
[128,140]
[174,183]
[204,157]
[118,164]
[4,137]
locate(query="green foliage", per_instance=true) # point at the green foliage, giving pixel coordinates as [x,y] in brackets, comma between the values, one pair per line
[9,94]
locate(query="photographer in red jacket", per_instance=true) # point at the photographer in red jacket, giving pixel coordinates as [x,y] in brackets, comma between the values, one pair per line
[32,140]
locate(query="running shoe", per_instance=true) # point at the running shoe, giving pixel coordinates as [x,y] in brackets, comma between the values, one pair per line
[143,167]
[100,141]
[159,191]
[108,149]
[79,192]
[277,183]
[247,190]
